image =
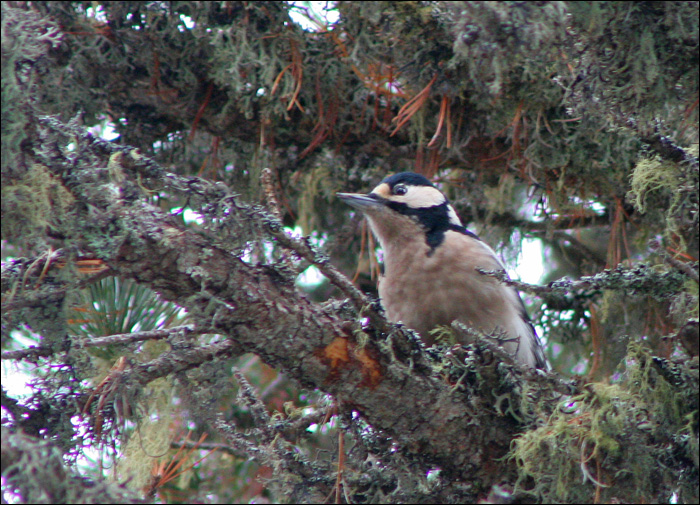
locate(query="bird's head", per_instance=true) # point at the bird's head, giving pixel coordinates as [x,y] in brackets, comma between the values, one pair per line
[403,206]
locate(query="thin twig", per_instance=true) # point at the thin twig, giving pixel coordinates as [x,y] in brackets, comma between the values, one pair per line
[266,179]
[308,251]
[121,338]
[550,380]
[269,189]
[686,268]
[641,278]
[249,397]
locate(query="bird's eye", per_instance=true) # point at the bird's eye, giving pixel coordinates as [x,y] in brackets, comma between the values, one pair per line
[400,189]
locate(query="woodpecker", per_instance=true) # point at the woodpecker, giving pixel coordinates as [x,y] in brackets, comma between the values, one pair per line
[430,262]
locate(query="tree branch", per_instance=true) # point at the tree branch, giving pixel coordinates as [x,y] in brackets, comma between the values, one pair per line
[389,380]
[122,338]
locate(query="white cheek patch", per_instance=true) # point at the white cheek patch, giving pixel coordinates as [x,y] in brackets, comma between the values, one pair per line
[418,197]
[452,215]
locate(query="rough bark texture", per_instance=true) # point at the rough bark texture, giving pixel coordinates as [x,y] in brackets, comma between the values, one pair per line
[585,112]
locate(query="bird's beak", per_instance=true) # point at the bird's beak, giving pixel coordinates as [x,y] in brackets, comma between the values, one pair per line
[360,201]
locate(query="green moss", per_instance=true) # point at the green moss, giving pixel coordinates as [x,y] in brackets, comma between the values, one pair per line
[651,175]
[444,335]
[33,204]
[658,187]
[317,185]
[607,439]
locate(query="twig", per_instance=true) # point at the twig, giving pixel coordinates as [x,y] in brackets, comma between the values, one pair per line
[289,462]
[39,294]
[269,189]
[580,247]
[121,338]
[273,204]
[667,149]
[550,380]
[179,360]
[636,279]
[686,268]
[308,251]
[248,396]
[209,446]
